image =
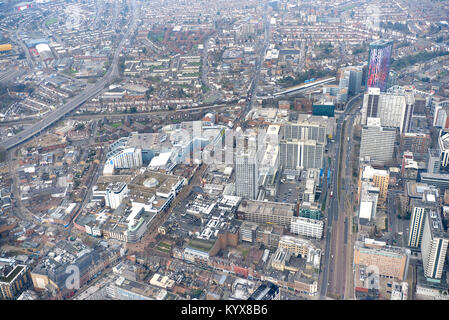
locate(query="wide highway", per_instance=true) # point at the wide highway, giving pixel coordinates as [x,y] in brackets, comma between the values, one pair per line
[85,95]
[334,205]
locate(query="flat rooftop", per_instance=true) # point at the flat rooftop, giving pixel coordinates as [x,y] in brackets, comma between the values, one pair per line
[146,140]
[152,181]
[202,245]
[12,274]
[267,207]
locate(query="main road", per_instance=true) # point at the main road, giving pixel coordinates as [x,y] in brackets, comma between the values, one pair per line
[91,91]
[261,55]
[334,204]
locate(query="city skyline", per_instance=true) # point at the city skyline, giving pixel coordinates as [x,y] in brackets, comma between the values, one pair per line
[224,150]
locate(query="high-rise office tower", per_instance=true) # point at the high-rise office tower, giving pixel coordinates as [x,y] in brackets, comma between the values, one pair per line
[246,175]
[370,108]
[377,142]
[419,208]
[301,154]
[394,109]
[379,64]
[433,162]
[343,89]
[302,143]
[443,143]
[402,101]
[416,224]
[434,246]
[354,75]
[305,130]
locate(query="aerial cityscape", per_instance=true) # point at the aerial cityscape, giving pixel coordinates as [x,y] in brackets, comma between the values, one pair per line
[224,150]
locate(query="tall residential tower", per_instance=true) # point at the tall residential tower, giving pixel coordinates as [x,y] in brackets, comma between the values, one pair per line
[379,61]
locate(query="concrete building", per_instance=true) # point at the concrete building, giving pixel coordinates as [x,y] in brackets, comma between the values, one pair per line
[355,75]
[391,262]
[368,201]
[126,159]
[379,178]
[443,143]
[441,116]
[51,269]
[305,248]
[419,209]
[433,161]
[248,231]
[246,175]
[270,164]
[434,246]
[307,227]
[115,193]
[154,191]
[394,109]
[307,154]
[429,289]
[409,167]
[263,212]
[415,190]
[127,224]
[14,278]
[377,142]
[439,180]
[399,291]
[306,128]
[266,291]
[126,289]
[371,107]
[198,250]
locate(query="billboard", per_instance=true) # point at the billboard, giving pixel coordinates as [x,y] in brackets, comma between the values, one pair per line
[379,64]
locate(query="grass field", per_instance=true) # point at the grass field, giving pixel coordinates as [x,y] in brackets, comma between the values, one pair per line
[165,245]
[51,21]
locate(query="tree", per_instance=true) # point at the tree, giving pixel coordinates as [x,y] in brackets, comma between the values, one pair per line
[196,293]
[149,92]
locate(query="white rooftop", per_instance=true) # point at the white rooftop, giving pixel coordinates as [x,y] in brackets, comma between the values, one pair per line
[365,210]
[160,160]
